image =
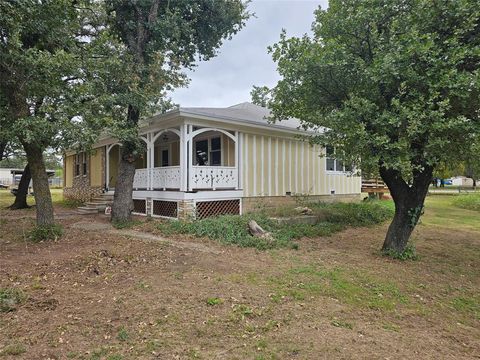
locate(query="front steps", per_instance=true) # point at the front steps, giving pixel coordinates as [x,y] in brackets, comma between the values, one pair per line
[96,204]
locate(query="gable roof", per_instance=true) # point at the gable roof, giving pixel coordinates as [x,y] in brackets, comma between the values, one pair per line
[246,112]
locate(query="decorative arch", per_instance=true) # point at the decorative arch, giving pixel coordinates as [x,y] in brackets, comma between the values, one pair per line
[200,131]
[162,132]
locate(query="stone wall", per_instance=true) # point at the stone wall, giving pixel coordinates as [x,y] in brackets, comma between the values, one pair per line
[81,188]
[259,203]
[82,192]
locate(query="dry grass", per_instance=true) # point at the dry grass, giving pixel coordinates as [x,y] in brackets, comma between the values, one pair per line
[97,295]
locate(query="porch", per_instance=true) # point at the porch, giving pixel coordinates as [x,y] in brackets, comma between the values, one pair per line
[184,158]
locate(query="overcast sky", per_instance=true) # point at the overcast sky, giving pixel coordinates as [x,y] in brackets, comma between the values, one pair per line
[243,61]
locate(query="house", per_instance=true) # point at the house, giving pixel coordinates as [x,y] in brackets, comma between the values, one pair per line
[11,176]
[208,161]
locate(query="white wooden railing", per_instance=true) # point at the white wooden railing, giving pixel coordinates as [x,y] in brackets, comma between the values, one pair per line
[214,177]
[202,177]
[167,177]
[140,180]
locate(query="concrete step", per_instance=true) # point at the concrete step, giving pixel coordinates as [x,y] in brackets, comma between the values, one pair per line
[98,202]
[87,210]
[96,205]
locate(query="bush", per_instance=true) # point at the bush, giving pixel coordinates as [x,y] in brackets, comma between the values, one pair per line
[10,298]
[366,213]
[233,229]
[45,232]
[469,202]
[410,253]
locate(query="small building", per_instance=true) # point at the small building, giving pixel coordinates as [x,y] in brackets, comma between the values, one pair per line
[462,181]
[200,162]
[9,176]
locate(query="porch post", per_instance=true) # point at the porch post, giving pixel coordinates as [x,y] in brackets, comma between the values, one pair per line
[149,162]
[183,157]
[107,167]
[237,159]
[189,157]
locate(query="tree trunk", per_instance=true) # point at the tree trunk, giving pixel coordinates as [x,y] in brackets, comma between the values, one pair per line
[409,201]
[122,206]
[41,189]
[22,192]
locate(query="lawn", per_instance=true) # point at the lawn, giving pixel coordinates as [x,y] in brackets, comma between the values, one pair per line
[102,293]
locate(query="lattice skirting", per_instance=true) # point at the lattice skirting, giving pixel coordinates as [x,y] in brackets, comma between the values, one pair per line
[165,208]
[140,206]
[216,208]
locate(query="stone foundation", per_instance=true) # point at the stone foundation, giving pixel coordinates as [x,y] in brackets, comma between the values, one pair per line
[186,210]
[251,204]
[82,193]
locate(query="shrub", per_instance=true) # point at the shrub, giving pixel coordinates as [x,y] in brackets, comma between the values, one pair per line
[10,298]
[410,253]
[45,232]
[470,201]
[366,213]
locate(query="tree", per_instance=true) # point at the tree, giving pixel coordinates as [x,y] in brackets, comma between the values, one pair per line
[260,95]
[44,47]
[159,39]
[393,85]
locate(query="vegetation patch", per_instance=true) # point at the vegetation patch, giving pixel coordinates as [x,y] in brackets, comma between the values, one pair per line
[352,288]
[126,224]
[233,229]
[10,298]
[410,253]
[13,350]
[45,233]
[469,202]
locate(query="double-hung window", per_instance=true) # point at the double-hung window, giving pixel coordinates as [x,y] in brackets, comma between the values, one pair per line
[81,164]
[334,164]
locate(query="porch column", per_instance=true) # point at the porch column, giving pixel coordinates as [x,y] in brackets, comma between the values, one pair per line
[183,157]
[189,157]
[237,159]
[107,166]
[149,161]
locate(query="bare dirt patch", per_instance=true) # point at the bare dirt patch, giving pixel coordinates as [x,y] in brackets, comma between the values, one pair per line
[99,293]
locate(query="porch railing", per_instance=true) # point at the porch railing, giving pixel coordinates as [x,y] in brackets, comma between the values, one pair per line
[214,177]
[140,180]
[167,177]
[202,177]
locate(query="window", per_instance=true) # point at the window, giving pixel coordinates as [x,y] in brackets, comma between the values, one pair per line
[209,152]
[81,164]
[334,164]
[164,157]
[216,152]
[330,159]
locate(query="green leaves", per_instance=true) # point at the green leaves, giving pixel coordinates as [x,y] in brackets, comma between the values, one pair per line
[395,82]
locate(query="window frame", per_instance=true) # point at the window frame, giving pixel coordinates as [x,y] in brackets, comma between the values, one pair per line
[336,162]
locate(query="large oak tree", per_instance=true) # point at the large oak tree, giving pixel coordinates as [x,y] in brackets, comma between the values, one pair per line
[159,40]
[394,84]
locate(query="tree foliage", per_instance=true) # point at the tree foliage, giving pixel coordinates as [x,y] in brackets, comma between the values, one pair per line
[159,39]
[393,85]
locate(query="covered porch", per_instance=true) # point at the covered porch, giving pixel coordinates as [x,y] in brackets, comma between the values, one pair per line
[183,158]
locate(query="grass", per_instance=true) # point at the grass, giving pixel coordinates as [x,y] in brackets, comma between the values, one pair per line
[6,198]
[469,202]
[13,350]
[440,213]
[45,232]
[10,298]
[233,229]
